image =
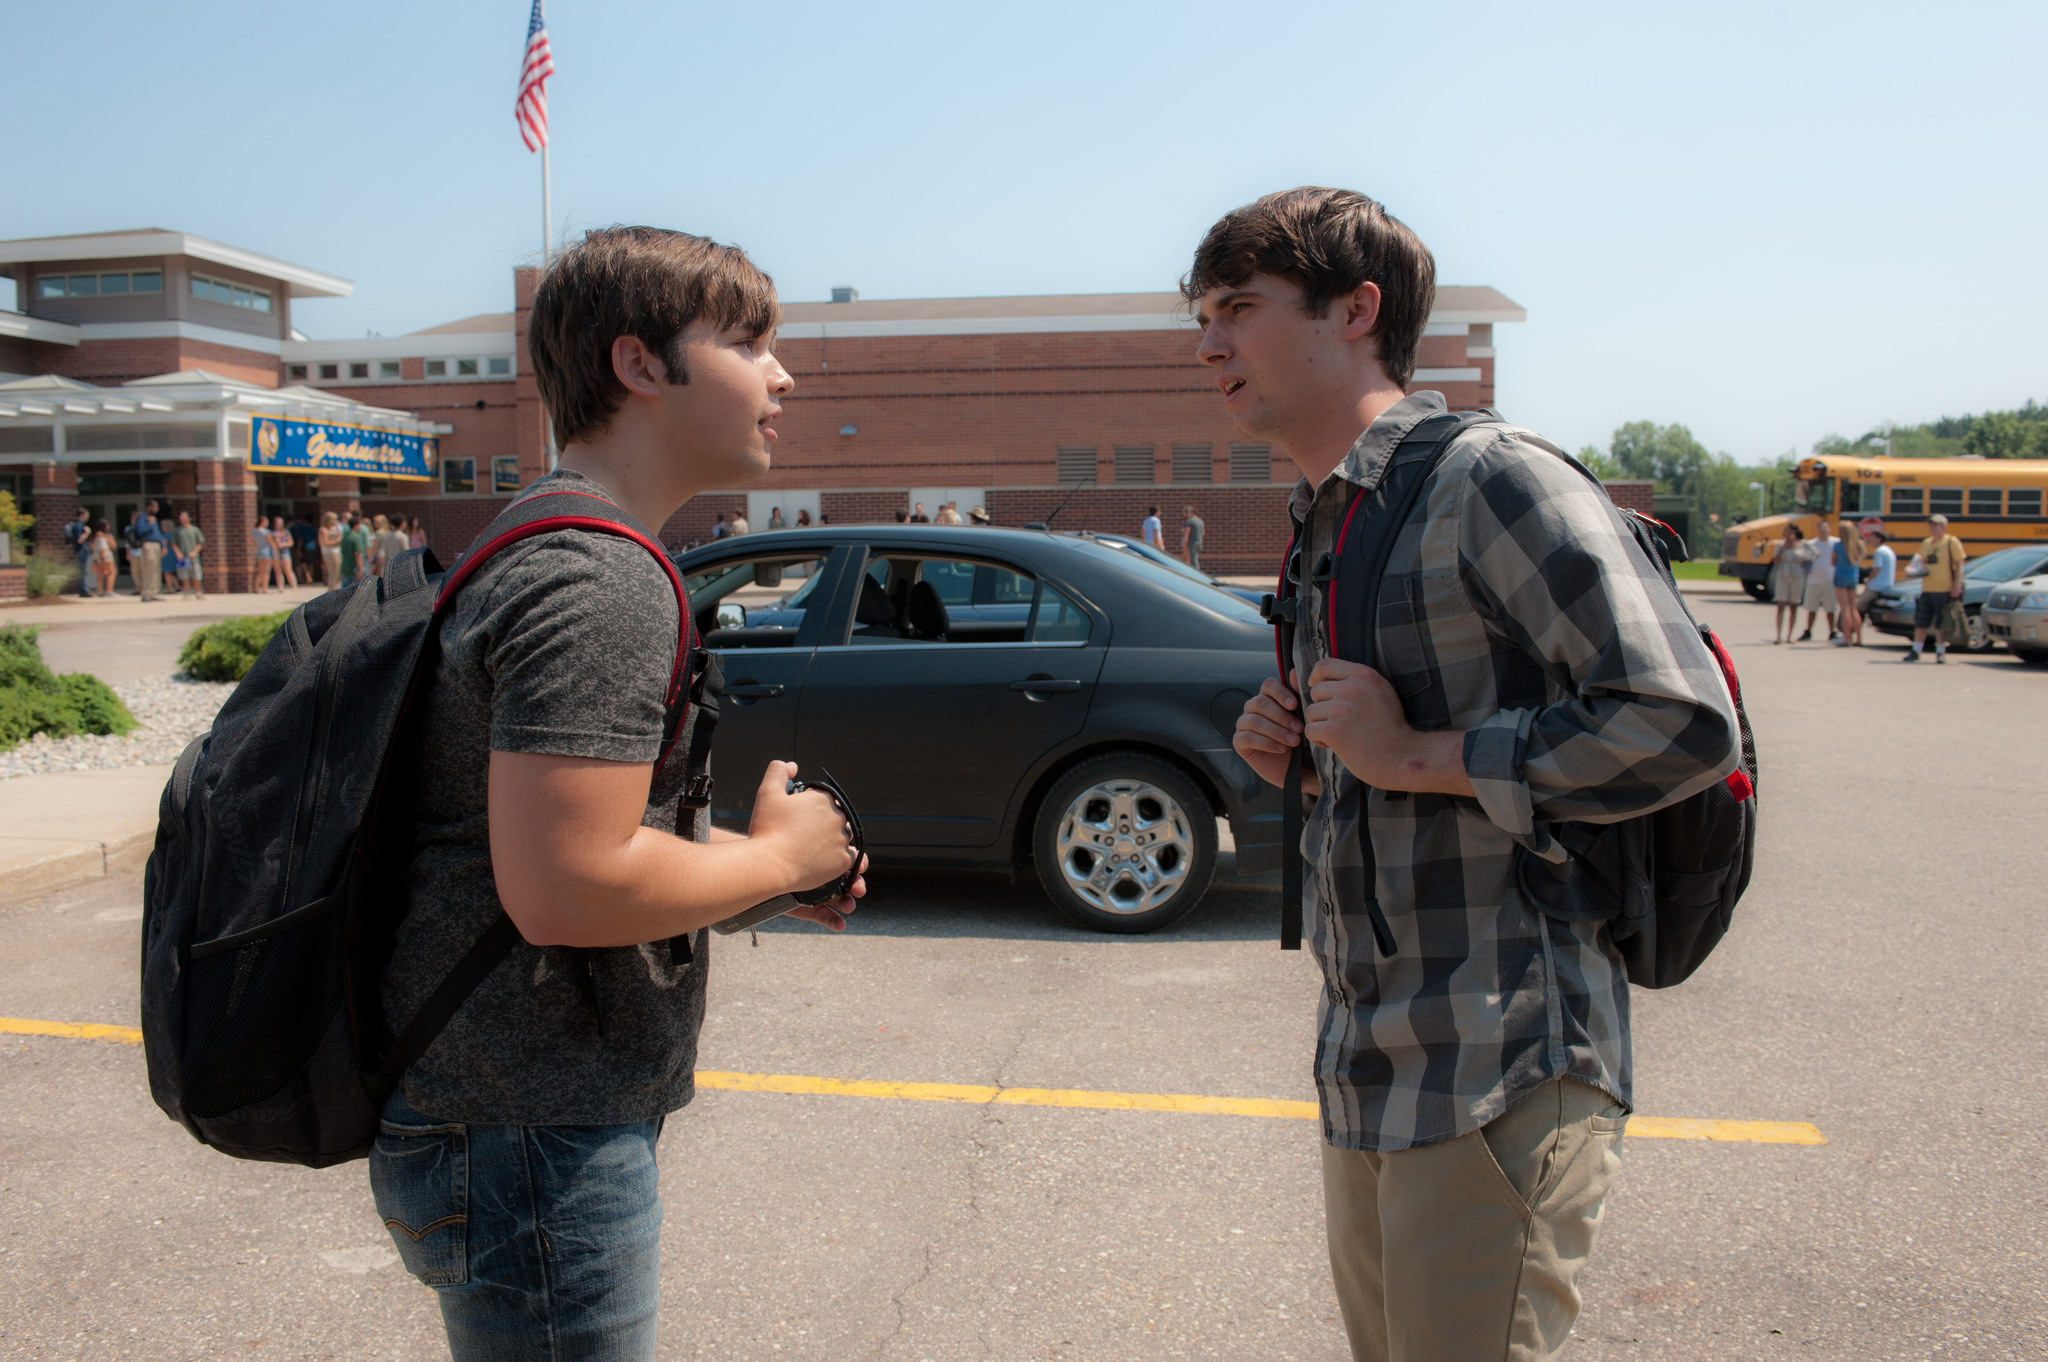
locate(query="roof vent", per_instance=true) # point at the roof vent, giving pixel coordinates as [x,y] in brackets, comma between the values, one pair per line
[846,293]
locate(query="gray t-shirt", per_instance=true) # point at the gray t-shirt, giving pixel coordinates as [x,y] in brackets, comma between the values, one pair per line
[1193,525]
[562,644]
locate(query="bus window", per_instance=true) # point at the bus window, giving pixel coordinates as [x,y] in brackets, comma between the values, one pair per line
[1987,500]
[1817,495]
[1945,500]
[2023,501]
[1909,501]
[1862,498]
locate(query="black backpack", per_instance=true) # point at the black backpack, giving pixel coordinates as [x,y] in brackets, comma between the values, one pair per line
[277,880]
[1668,881]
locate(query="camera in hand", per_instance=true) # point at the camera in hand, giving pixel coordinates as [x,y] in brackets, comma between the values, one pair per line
[824,893]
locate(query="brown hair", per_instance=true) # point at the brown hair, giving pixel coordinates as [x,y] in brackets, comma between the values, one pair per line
[632,281]
[1328,242]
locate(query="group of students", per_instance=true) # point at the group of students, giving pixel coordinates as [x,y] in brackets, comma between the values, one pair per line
[352,548]
[152,551]
[1824,576]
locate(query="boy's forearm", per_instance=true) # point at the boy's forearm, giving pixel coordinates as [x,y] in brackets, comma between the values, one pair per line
[653,887]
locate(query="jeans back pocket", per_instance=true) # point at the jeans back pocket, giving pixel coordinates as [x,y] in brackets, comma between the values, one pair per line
[419,1175]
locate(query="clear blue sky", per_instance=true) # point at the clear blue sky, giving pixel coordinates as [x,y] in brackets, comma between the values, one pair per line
[1768,221]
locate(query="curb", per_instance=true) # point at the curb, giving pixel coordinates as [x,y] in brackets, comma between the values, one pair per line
[34,877]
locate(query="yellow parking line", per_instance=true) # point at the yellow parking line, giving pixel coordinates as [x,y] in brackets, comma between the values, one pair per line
[22,1026]
[1641,1127]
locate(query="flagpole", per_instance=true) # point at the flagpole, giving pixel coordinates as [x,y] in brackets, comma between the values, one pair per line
[547,237]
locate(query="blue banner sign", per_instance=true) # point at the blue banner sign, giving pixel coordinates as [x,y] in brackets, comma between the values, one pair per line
[319,446]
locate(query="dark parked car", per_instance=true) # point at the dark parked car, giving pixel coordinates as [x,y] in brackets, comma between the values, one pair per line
[995,699]
[1892,612]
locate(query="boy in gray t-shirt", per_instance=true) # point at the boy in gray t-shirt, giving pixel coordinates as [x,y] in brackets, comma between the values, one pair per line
[515,1164]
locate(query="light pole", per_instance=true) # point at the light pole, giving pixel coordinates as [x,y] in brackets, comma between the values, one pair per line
[1881,440]
[1758,488]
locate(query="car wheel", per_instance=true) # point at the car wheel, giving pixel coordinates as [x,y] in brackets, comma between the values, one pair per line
[2033,657]
[1758,591]
[1979,640]
[1125,843]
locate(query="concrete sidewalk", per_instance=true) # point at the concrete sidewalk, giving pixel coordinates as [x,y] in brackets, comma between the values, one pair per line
[72,609]
[71,827]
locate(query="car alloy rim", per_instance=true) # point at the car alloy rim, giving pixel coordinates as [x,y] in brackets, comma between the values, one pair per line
[1125,846]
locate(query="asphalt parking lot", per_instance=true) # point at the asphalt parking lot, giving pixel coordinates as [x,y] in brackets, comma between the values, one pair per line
[1883,983]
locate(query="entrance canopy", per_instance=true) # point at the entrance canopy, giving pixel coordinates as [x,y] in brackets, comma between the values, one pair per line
[196,414]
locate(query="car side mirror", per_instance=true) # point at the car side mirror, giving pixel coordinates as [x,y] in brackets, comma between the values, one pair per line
[767,574]
[732,615]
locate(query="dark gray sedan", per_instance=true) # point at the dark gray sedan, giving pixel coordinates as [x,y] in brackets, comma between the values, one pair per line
[994,700]
[1892,612]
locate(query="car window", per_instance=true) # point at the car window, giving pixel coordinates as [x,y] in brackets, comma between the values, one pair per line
[754,602]
[1185,584]
[2002,564]
[1058,620]
[912,598]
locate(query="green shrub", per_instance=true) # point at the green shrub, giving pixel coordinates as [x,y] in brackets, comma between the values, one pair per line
[49,573]
[33,700]
[225,651]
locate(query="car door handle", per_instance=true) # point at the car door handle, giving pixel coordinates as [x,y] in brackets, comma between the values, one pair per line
[1045,683]
[750,691]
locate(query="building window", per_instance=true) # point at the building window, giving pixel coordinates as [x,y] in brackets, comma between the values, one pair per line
[373,487]
[1987,500]
[1191,463]
[465,366]
[1134,463]
[458,475]
[2023,501]
[234,295]
[1944,501]
[359,371]
[295,372]
[500,366]
[1077,464]
[388,368]
[437,368]
[330,371]
[1251,463]
[99,285]
[505,473]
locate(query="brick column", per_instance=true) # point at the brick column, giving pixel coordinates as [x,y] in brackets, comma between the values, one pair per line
[56,487]
[530,415]
[225,498]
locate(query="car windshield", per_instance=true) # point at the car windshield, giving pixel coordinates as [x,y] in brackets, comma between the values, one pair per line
[2003,564]
[1175,577]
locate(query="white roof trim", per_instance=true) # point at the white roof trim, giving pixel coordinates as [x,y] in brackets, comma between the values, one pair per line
[1440,324]
[452,345]
[304,282]
[1447,375]
[21,326]
[211,335]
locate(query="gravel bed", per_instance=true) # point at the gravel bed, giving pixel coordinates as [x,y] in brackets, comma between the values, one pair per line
[170,711]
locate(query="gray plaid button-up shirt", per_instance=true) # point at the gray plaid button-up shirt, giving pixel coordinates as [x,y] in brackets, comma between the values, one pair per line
[1516,609]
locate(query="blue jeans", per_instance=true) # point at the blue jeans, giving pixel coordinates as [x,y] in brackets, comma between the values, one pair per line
[541,1242]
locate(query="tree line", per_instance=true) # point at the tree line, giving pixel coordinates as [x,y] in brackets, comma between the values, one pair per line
[1720,487]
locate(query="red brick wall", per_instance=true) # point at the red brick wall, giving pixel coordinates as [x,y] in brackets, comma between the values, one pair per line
[113,362]
[17,356]
[14,584]
[484,415]
[1632,494]
[56,504]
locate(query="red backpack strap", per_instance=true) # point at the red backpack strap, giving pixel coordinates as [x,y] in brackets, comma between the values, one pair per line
[550,512]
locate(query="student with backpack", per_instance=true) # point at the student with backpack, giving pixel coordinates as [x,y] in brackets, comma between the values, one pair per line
[514,758]
[1512,675]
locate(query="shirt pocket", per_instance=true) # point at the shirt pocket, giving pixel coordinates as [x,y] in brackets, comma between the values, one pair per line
[419,1176]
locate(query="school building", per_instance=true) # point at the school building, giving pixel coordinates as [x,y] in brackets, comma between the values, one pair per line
[157,364]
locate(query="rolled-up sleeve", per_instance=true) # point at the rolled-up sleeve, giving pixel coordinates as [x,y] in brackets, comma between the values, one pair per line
[1644,718]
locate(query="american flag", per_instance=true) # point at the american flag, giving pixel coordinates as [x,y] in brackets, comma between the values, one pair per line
[531,110]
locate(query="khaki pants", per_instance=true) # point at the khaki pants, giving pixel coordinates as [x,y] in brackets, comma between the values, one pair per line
[1469,1250]
[149,582]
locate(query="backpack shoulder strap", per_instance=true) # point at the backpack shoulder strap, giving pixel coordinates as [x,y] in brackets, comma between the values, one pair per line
[566,510]
[1350,576]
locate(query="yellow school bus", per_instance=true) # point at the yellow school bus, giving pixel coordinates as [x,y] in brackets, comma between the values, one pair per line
[1990,504]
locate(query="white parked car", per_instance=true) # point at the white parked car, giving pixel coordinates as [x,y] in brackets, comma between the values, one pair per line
[2017,613]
